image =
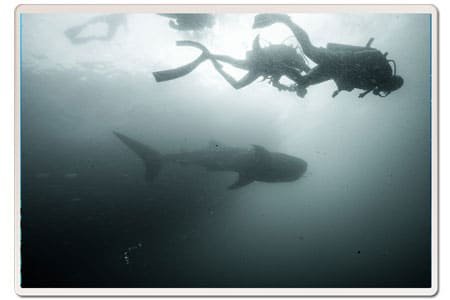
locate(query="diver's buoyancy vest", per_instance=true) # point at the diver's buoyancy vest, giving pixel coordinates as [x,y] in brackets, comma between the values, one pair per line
[359,66]
[275,58]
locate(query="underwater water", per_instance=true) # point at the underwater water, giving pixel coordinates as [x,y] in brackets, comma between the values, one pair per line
[359,217]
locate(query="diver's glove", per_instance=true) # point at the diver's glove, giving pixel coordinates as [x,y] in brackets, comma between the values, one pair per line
[335,93]
[299,90]
[264,20]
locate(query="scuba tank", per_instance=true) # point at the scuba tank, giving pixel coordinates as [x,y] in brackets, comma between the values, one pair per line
[349,48]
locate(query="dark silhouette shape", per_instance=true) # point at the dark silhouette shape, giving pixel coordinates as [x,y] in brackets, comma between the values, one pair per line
[194,22]
[255,165]
[113,21]
[272,62]
[350,67]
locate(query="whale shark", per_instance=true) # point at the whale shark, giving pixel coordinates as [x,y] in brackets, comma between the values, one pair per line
[255,164]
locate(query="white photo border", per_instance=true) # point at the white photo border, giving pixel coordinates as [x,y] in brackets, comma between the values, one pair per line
[234,8]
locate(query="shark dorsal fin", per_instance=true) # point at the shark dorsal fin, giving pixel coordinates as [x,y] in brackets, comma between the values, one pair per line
[261,153]
[242,180]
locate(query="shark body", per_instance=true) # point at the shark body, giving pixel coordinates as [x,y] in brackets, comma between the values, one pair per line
[255,164]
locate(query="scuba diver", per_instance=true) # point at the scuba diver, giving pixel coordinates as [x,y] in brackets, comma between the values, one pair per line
[350,67]
[272,62]
[185,22]
[113,21]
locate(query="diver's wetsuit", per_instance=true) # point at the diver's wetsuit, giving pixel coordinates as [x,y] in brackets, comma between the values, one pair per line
[364,68]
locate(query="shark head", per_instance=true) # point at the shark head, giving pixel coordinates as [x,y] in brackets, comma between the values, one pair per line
[265,166]
[284,168]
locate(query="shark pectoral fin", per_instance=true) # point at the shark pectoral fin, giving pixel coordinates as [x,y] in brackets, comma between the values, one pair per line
[243,180]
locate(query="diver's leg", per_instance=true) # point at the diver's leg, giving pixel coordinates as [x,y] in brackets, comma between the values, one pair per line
[73,31]
[317,75]
[238,63]
[96,19]
[237,84]
[316,54]
[114,21]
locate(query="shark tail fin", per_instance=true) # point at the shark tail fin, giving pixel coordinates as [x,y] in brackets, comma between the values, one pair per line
[151,158]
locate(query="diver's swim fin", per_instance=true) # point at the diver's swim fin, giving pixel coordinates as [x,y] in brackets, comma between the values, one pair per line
[72,32]
[193,44]
[186,69]
[180,71]
[264,20]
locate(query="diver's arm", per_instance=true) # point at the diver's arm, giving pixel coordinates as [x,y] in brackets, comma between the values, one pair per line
[237,63]
[363,94]
[281,87]
[300,34]
[335,93]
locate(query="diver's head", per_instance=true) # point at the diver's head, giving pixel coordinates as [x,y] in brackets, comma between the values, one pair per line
[255,53]
[393,84]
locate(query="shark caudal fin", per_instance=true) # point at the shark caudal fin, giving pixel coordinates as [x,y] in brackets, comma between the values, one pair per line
[152,159]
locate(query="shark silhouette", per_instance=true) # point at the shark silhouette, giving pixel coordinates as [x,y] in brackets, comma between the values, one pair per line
[255,164]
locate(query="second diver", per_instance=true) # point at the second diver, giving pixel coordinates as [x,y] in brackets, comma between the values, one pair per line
[272,62]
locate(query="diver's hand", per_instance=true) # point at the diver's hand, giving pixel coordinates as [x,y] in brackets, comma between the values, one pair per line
[292,87]
[301,92]
[363,94]
[335,93]
[264,20]
[281,87]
